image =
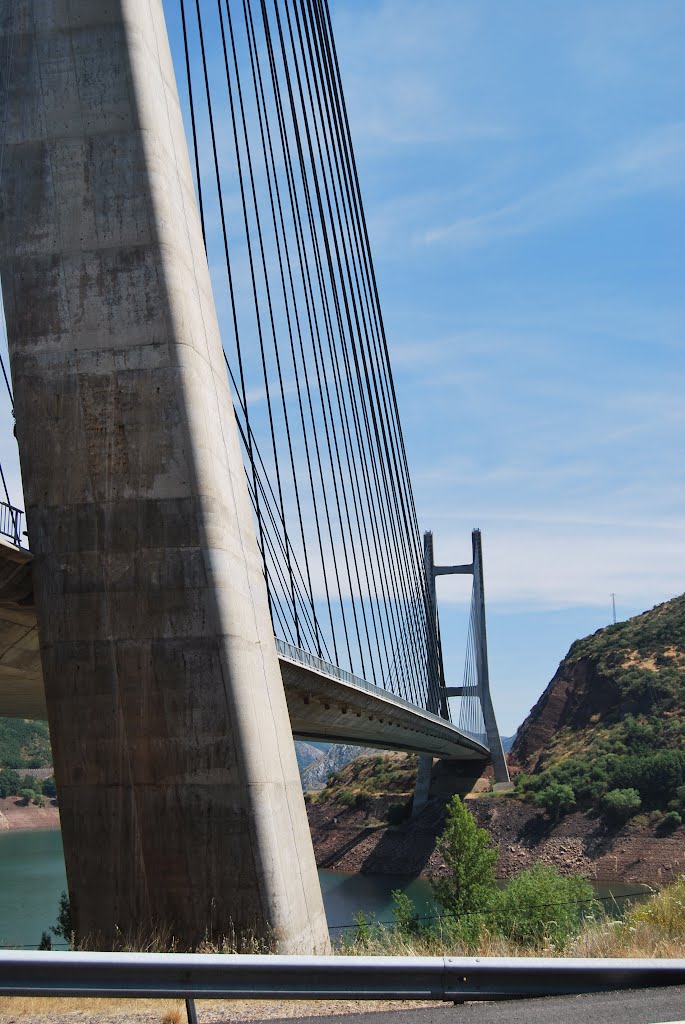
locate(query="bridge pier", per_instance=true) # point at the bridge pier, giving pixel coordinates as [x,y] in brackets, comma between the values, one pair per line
[441,779]
[179,793]
[423,784]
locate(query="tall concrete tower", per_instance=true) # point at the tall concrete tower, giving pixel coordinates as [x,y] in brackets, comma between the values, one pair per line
[179,793]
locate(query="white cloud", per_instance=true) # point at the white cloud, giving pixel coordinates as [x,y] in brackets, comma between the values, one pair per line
[540,563]
[652,163]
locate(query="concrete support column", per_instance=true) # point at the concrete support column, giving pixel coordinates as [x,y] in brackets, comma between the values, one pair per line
[423,784]
[179,792]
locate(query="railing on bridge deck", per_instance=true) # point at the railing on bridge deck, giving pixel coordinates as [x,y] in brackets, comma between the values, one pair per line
[11,522]
[296,655]
[326,668]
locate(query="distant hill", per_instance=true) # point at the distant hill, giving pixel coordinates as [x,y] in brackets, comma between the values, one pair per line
[613,717]
[306,754]
[24,744]
[315,775]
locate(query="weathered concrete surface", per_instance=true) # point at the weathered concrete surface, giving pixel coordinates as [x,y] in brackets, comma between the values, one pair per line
[179,791]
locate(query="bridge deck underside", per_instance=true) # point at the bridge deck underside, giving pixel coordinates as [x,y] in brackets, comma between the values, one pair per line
[320,705]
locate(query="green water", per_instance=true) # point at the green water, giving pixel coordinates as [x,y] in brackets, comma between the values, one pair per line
[33,877]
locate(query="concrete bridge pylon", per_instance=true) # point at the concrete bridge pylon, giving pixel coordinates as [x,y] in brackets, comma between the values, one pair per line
[179,793]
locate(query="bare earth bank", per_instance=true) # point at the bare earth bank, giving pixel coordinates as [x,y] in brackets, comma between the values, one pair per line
[14,815]
[348,839]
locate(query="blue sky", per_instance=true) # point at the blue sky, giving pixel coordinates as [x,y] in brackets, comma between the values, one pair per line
[523,170]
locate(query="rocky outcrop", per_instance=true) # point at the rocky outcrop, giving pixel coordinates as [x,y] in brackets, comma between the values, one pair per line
[629,673]
[315,775]
[306,754]
[577,694]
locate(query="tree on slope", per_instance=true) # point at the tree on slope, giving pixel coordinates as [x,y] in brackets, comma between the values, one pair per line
[469,887]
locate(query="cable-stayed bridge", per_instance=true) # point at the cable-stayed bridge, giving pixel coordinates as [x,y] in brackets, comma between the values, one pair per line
[324,700]
[212,458]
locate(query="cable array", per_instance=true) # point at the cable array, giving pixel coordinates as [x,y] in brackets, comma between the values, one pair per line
[470,710]
[304,339]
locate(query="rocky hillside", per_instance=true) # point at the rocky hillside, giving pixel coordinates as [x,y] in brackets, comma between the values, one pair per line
[613,719]
[361,823]
[315,775]
[306,754]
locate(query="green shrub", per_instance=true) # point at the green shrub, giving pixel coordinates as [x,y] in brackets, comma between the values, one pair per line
[366,929]
[397,813]
[9,782]
[539,907]
[672,820]
[404,913]
[557,798]
[49,788]
[621,804]
[678,801]
[346,797]
[63,928]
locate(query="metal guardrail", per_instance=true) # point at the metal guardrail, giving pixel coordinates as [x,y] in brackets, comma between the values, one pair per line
[11,522]
[193,976]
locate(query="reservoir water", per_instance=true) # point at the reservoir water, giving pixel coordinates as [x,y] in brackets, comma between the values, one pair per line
[32,878]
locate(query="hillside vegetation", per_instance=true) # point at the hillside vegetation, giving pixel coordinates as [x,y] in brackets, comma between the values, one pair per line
[24,744]
[381,785]
[609,730]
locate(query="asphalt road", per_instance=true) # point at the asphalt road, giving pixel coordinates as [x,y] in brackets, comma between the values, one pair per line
[639,1006]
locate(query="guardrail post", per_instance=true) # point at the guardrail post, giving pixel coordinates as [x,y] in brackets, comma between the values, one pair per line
[191,1011]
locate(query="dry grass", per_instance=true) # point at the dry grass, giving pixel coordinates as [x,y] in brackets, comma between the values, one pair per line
[628,938]
[40,1009]
[174,1015]
[162,1011]
[655,928]
[616,938]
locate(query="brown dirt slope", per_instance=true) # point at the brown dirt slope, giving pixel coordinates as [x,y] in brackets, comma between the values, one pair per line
[14,814]
[353,839]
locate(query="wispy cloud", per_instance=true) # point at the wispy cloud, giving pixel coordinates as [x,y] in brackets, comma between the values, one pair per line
[547,564]
[399,63]
[653,163]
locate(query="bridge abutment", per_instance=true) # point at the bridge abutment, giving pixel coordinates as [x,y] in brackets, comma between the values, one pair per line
[179,793]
